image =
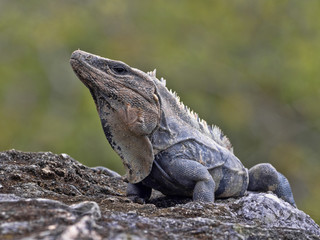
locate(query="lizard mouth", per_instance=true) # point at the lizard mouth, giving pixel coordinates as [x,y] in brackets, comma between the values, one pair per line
[84,70]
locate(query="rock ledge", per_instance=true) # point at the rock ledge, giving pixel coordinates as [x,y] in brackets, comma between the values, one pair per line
[49,196]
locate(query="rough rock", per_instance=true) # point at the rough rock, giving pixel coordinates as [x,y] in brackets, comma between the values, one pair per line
[49,196]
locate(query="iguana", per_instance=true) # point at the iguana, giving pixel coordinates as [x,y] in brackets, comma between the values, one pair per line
[162,143]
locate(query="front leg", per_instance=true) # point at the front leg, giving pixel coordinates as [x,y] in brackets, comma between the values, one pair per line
[192,175]
[138,192]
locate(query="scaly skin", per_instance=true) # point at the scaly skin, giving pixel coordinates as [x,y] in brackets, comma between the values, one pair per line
[163,144]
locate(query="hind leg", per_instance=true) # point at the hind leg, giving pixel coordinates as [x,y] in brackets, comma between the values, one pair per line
[264,177]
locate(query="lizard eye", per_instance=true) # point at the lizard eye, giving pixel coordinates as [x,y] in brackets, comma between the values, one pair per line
[119,69]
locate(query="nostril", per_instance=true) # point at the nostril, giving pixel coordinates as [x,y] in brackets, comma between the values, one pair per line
[75,55]
[80,55]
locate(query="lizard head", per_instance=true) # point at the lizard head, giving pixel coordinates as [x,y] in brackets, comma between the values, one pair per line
[128,106]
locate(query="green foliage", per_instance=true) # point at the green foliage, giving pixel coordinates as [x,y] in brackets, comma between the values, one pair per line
[251,67]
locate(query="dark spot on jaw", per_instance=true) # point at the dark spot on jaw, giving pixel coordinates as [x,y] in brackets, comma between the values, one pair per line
[128,167]
[107,132]
[109,136]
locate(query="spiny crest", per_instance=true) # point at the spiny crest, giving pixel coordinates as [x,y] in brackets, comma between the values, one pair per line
[153,75]
[212,131]
[220,138]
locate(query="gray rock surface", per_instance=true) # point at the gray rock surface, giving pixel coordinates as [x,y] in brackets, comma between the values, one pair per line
[49,196]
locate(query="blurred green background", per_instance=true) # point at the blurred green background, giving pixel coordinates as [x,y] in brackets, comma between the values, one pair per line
[250,67]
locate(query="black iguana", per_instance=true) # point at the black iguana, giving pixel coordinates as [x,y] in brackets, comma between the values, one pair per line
[163,144]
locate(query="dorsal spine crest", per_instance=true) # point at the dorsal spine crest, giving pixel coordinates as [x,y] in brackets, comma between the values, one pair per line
[212,131]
